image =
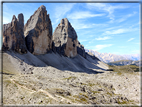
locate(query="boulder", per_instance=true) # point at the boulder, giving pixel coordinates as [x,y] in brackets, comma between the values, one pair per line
[65,39]
[38,32]
[13,35]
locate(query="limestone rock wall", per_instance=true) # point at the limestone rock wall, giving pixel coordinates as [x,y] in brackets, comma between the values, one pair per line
[38,32]
[13,35]
[65,39]
[38,36]
[81,50]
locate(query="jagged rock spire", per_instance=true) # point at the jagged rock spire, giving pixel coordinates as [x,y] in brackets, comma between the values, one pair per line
[13,35]
[38,32]
[65,39]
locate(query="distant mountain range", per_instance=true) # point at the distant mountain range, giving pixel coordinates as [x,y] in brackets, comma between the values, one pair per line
[108,57]
[125,62]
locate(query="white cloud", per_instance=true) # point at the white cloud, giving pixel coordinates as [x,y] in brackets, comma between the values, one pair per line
[61,10]
[130,39]
[118,31]
[79,24]
[99,47]
[126,17]
[105,7]
[82,15]
[103,38]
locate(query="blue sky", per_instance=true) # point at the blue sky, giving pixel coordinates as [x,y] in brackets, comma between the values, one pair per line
[103,27]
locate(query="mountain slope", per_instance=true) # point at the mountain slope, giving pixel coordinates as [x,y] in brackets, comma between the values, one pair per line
[36,84]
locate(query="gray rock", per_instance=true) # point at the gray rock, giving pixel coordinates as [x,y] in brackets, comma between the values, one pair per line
[81,50]
[38,32]
[65,39]
[13,35]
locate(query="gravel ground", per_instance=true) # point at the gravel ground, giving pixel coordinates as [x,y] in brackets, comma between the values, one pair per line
[26,84]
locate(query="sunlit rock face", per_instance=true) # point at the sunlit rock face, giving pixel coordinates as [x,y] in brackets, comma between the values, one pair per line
[38,32]
[65,39]
[13,35]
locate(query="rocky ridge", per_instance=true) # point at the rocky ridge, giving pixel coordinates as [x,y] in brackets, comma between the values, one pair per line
[13,35]
[39,39]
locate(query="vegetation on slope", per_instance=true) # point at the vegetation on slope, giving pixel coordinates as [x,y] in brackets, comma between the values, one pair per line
[124,69]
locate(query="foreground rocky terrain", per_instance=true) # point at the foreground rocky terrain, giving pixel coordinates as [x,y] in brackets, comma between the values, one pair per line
[49,85]
[41,68]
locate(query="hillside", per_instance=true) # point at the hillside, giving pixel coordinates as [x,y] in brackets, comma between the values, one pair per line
[30,83]
[125,62]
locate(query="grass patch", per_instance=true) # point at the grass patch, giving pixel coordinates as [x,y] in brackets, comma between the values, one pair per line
[7,82]
[72,77]
[62,92]
[91,84]
[110,94]
[95,92]
[27,85]
[84,94]
[122,102]
[131,69]
[80,98]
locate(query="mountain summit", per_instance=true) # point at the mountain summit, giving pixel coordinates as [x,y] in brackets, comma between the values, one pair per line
[38,32]
[65,39]
[13,35]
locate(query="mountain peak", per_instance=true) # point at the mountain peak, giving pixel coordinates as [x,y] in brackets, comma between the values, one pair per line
[65,22]
[14,18]
[38,32]
[42,7]
[13,35]
[65,37]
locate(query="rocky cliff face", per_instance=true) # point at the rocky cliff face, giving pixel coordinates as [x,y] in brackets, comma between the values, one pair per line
[65,39]
[13,35]
[38,36]
[38,32]
[81,50]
